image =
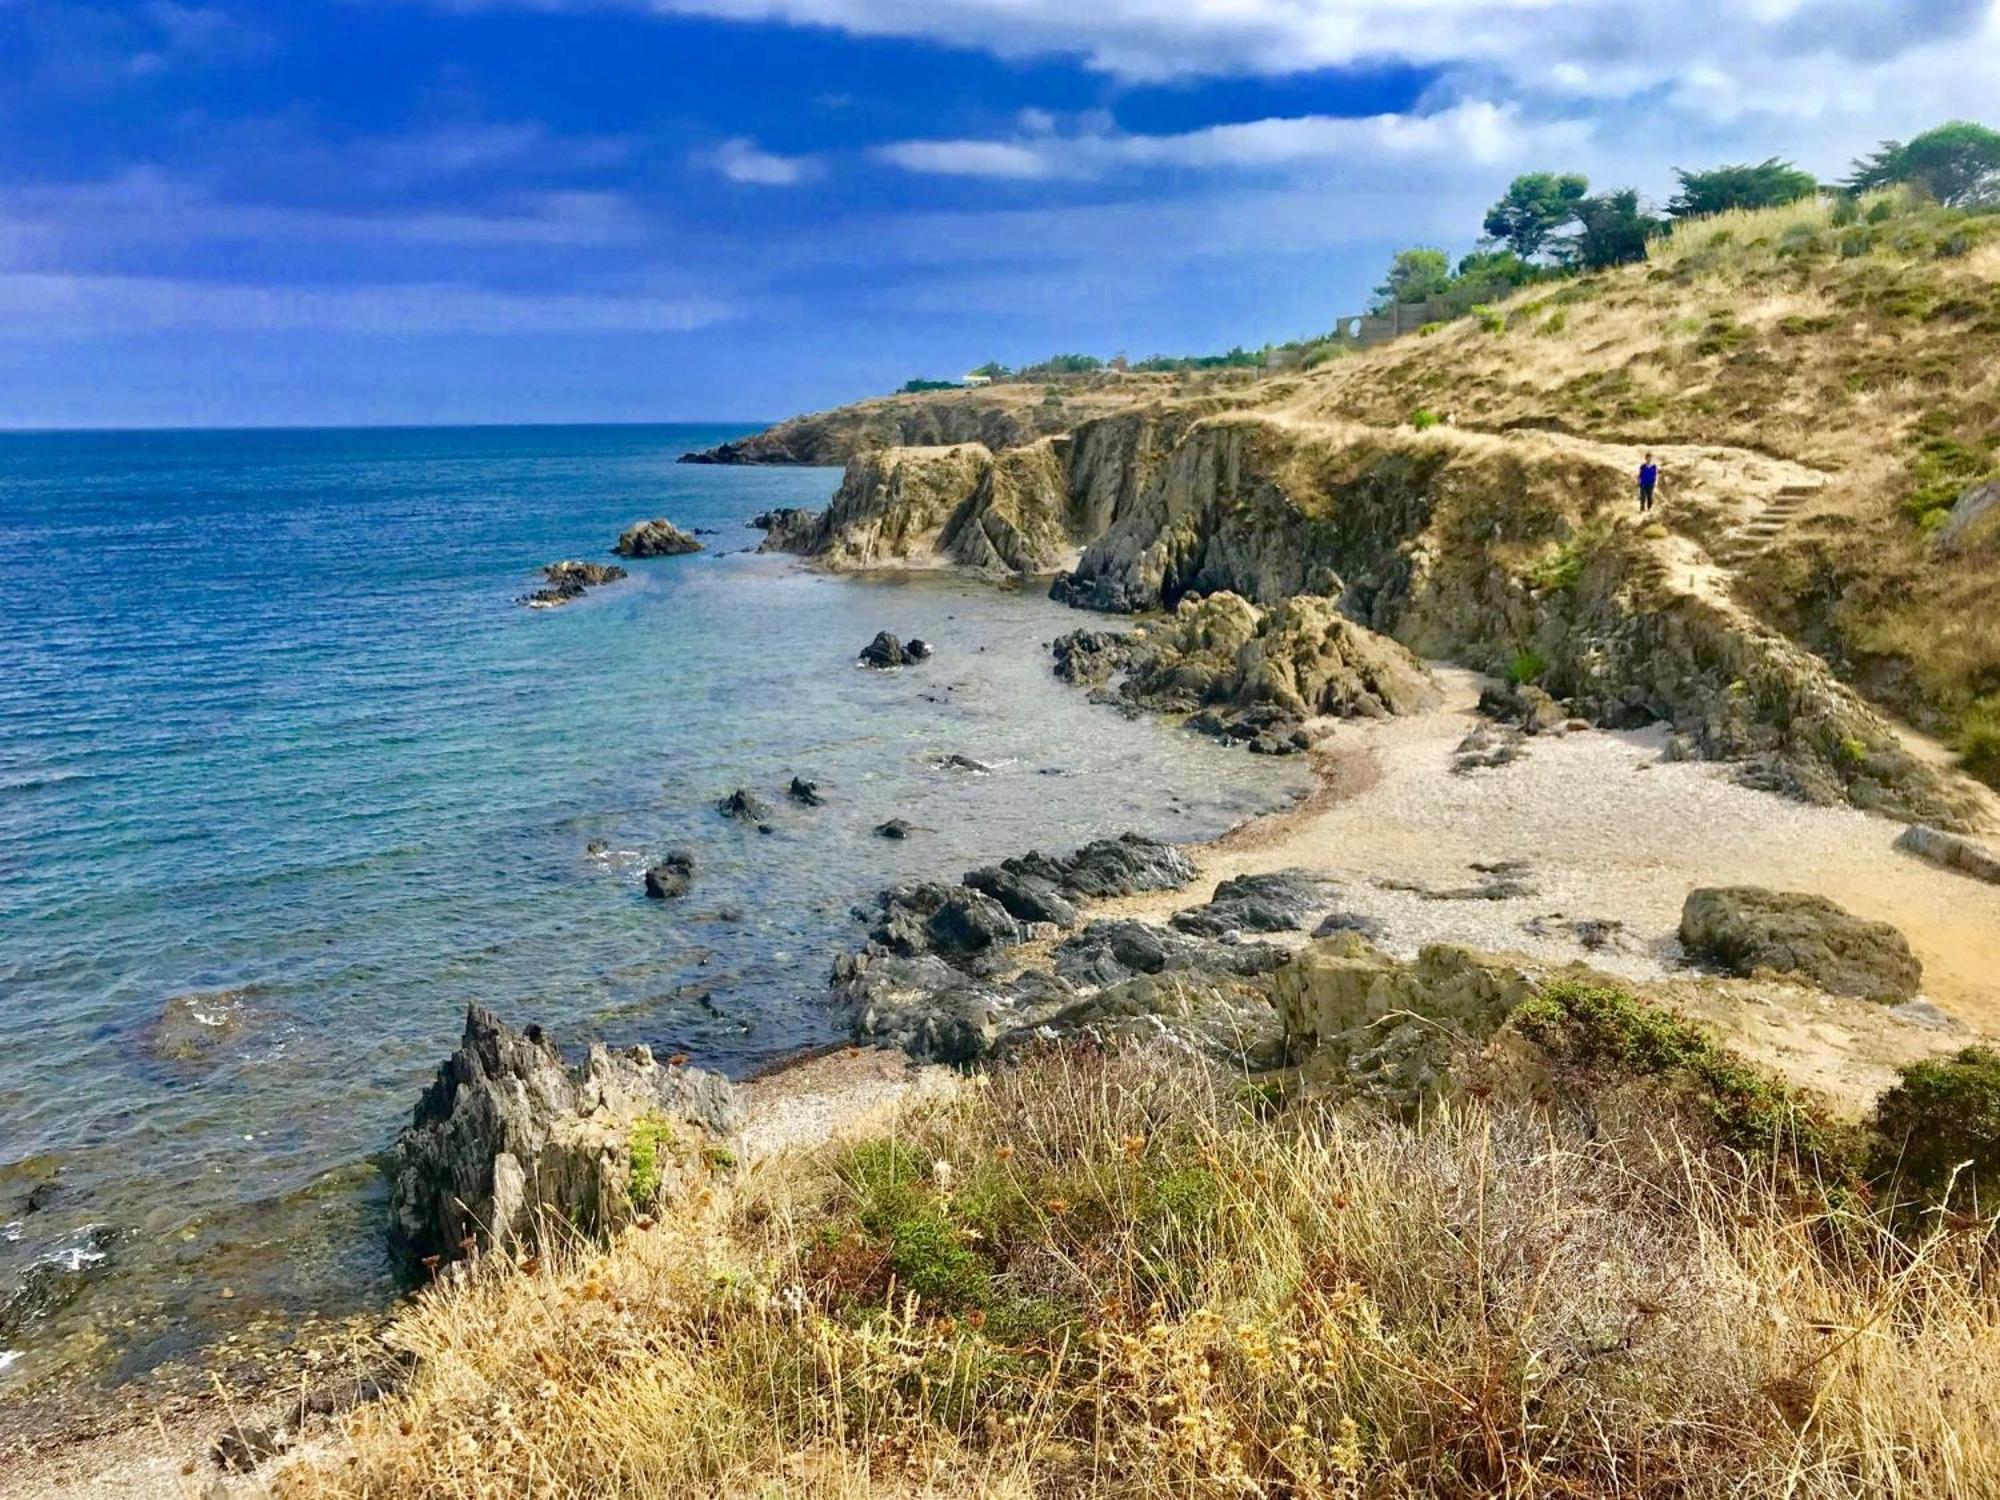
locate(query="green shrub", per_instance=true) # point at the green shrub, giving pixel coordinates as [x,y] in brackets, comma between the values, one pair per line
[1881,211]
[1943,469]
[1856,243]
[1846,209]
[1491,320]
[1528,666]
[1940,1130]
[927,1256]
[1598,1029]
[1562,569]
[1423,418]
[1977,738]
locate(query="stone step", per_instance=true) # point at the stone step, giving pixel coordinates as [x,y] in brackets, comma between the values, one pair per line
[1799,491]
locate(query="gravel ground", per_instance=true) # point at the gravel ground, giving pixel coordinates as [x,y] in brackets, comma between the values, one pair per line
[1601,828]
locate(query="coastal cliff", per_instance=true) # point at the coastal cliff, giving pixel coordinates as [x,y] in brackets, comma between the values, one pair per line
[996,417]
[1514,555]
[1820,400]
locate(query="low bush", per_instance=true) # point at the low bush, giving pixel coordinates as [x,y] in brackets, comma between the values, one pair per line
[1940,1132]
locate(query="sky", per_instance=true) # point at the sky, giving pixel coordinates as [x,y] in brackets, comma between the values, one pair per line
[256,212]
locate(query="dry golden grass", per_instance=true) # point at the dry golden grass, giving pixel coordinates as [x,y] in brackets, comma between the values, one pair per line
[1105,1276]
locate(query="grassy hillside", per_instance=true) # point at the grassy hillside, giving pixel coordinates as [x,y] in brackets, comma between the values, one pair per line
[1869,350]
[1111,1275]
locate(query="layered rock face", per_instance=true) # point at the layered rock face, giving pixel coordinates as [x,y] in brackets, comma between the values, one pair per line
[935,980]
[962,505]
[1743,929]
[1387,1028]
[1463,548]
[510,1138]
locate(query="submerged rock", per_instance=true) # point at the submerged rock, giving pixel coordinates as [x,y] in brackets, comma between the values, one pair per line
[510,1139]
[655,538]
[192,1026]
[1742,929]
[744,806]
[55,1281]
[671,877]
[895,828]
[805,793]
[568,580]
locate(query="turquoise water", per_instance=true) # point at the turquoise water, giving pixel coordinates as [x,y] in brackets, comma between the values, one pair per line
[271,722]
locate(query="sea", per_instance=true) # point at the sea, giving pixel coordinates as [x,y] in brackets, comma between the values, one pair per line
[288,778]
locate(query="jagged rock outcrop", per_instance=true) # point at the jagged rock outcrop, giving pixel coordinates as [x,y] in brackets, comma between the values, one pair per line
[744,806]
[966,506]
[1385,1028]
[1744,929]
[568,580]
[1973,521]
[655,538]
[926,980]
[1278,901]
[510,1137]
[1254,674]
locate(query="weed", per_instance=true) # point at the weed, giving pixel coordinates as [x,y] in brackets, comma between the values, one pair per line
[651,1136]
[1528,666]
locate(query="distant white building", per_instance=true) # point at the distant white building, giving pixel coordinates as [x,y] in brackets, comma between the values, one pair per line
[975,380]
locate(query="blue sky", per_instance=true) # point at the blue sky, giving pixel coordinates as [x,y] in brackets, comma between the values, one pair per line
[483,210]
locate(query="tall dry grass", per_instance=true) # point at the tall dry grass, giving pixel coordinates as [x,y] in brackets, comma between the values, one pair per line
[1103,1276]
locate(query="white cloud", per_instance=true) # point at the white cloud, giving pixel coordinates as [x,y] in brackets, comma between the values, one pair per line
[740,159]
[1020,161]
[58,223]
[1161,39]
[61,305]
[1477,131]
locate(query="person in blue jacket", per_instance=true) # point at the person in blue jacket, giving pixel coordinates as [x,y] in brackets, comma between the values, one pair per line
[1649,481]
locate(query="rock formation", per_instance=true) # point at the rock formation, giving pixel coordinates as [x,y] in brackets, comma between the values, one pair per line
[744,806]
[885,651]
[1951,852]
[1254,674]
[1743,929]
[510,1138]
[568,580]
[671,877]
[656,538]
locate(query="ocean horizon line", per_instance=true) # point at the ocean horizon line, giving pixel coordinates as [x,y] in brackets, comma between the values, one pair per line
[298,427]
